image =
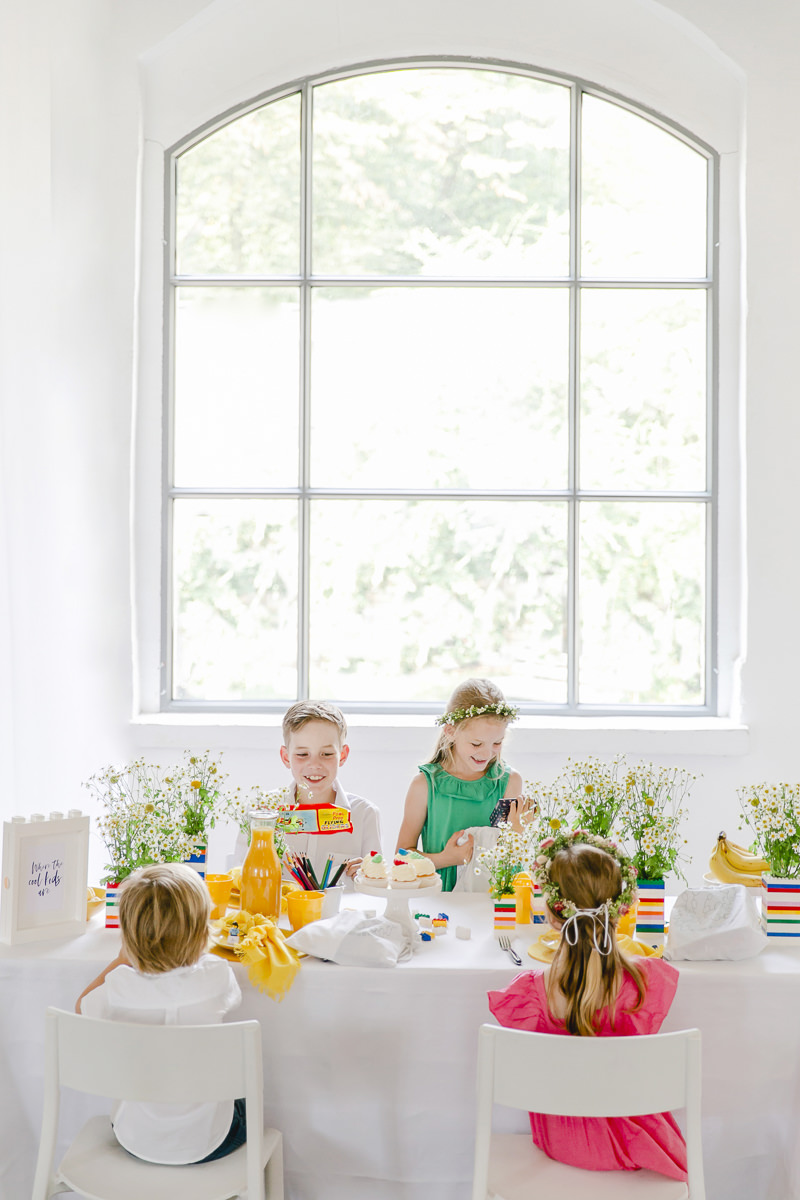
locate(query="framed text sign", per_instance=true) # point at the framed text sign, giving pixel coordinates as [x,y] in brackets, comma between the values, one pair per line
[44,879]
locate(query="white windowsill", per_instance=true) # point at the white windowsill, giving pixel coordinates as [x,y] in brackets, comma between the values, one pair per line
[707,736]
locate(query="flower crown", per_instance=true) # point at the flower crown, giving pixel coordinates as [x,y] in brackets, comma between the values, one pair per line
[501,709]
[558,904]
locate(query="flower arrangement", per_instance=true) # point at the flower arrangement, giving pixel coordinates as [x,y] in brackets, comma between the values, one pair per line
[772,811]
[650,816]
[547,851]
[508,711]
[546,809]
[196,790]
[593,791]
[140,823]
[513,852]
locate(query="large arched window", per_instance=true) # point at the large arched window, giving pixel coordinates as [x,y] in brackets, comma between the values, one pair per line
[440,398]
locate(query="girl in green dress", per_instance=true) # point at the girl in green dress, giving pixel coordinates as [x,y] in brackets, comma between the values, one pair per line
[462,783]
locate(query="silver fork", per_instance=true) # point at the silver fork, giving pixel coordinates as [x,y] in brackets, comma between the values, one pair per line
[505,944]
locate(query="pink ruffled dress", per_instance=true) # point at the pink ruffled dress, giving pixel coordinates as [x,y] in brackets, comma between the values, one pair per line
[602,1143]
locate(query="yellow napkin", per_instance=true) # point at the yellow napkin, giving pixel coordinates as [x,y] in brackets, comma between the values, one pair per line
[271,964]
[544,948]
[95,899]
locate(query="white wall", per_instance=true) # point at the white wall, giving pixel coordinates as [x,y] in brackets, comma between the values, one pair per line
[90,104]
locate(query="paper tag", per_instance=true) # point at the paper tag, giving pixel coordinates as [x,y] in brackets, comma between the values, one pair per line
[316,818]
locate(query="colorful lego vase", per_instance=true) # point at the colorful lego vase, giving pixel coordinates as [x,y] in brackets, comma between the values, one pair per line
[780,907]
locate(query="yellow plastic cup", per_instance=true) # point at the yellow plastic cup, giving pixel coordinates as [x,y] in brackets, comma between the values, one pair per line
[287,887]
[304,907]
[219,888]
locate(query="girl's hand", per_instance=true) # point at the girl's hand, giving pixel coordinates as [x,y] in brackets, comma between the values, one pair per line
[454,855]
[515,811]
[352,866]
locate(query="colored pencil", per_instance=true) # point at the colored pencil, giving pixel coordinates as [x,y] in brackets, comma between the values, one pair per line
[309,870]
[326,872]
[335,879]
[301,876]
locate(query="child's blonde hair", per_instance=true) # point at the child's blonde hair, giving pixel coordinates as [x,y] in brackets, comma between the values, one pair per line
[313,710]
[588,979]
[164,912]
[472,693]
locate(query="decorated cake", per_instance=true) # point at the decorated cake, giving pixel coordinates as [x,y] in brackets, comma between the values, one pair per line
[403,873]
[424,868]
[375,870]
[407,869]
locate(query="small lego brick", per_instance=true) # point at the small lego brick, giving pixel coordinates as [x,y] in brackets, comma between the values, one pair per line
[464,932]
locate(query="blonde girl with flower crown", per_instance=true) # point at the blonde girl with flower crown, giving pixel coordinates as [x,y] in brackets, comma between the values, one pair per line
[461,785]
[592,989]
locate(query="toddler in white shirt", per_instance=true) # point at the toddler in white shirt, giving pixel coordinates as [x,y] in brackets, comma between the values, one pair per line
[163,976]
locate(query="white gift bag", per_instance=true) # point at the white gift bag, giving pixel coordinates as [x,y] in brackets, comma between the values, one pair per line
[471,876]
[717,922]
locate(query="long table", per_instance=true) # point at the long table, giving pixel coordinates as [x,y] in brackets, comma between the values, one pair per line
[370,1072]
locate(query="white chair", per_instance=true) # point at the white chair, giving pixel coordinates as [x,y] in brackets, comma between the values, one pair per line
[582,1077]
[170,1063]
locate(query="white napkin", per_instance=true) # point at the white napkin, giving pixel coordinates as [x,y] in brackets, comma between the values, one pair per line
[354,940]
[714,923]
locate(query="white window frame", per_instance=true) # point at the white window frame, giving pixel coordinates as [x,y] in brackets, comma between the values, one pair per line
[709,496]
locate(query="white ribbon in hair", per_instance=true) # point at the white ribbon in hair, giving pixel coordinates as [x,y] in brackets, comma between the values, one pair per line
[569,929]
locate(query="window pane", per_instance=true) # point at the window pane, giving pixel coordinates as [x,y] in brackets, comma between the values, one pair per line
[235,599]
[408,597]
[439,387]
[237,363]
[643,389]
[642,600]
[643,211]
[441,172]
[238,196]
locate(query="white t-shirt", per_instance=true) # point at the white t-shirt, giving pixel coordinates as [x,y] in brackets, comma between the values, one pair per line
[366,836]
[196,995]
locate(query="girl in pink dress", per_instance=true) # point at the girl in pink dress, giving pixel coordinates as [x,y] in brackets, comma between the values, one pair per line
[592,989]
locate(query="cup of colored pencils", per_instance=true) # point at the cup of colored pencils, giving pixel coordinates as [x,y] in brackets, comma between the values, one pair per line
[300,868]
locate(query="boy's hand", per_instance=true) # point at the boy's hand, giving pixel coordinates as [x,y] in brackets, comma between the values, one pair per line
[352,866]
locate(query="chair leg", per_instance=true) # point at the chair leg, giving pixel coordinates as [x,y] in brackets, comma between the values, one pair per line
[273,1173]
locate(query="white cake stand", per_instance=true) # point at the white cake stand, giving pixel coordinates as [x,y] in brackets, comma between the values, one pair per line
[397,899]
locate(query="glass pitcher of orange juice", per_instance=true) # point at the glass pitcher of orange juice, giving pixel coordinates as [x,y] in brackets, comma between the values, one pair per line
[260,885]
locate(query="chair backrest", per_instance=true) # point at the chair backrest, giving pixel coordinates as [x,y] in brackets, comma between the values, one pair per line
[168,1063]
[592,1077]
[171,1063]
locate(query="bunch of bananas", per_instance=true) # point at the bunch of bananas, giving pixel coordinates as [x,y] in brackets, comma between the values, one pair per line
[733,864]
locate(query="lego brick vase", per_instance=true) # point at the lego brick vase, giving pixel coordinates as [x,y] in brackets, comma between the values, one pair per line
[650,911]
[780,907]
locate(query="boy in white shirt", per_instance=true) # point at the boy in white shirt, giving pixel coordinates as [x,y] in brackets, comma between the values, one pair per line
[163,976]
[314,747]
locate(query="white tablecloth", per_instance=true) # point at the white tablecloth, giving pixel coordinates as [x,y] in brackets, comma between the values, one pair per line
[370,1073]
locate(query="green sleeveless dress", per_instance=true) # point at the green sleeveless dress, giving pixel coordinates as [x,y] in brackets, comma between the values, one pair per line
[456,804]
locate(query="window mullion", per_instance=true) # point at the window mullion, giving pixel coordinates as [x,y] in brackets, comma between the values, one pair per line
[304,465]
[573,529]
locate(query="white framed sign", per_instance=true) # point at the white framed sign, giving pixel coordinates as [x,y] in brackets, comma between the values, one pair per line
[44,879]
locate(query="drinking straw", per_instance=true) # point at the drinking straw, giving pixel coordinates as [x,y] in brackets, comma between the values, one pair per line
[335,879]
[327,872]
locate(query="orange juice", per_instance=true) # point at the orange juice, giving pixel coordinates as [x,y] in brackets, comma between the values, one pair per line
[260,886]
